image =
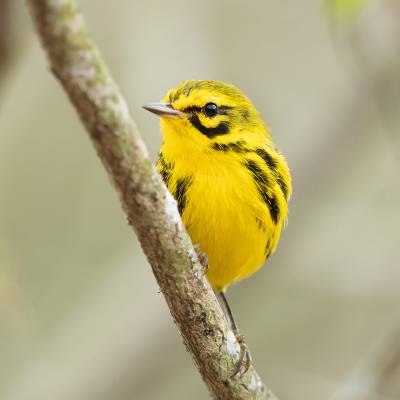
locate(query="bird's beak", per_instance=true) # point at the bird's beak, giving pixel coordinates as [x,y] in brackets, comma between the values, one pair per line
[164,109]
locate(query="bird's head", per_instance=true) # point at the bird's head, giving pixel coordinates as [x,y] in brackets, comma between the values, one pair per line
[202,112]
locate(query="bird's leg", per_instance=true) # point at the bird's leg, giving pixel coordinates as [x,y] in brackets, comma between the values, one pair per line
[245,360]
[203,259]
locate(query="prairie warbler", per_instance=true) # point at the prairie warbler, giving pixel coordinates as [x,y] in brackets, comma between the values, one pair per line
[231,183]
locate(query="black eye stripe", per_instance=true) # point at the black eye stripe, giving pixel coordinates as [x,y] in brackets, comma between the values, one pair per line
[221,110]
[225,108]
[191,110]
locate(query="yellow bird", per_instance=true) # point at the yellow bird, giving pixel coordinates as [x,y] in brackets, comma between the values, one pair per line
[231,183]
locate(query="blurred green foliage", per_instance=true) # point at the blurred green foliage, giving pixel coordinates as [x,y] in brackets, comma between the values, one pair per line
[348,11]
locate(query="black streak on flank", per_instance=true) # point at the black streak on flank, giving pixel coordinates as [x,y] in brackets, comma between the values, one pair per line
[261,181]
[260,224]
[271,163]
[182,186]
[273,206]
[282,185]
[245,114]
[166,169]
[257,172]
[237,147]
[166,176]
[163,162]
[267,250]
[221,129]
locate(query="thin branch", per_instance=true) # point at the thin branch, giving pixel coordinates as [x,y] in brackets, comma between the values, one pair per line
[150,209]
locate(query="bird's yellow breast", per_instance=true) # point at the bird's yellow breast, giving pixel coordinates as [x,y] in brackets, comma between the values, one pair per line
[223,210]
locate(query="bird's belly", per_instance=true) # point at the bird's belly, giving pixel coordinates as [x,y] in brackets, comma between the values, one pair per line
[224,221]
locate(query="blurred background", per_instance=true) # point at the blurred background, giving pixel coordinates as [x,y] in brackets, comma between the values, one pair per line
[81,316]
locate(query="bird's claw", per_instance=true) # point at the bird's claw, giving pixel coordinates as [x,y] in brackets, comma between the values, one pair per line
[245,360]
[202,257]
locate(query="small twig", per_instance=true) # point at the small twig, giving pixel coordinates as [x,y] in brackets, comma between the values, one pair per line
[149,207]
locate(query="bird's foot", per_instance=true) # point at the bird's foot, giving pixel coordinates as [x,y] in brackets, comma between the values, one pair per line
[202,257]
[245,360]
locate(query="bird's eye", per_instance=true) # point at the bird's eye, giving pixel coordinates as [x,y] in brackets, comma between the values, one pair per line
[210,109]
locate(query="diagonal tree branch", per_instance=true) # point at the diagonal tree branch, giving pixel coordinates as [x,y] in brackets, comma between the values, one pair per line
[150,209]
[5,50]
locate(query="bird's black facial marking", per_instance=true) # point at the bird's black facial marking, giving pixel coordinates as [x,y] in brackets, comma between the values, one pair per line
[210,110]
[191,110]
[223,110]
[221,129]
